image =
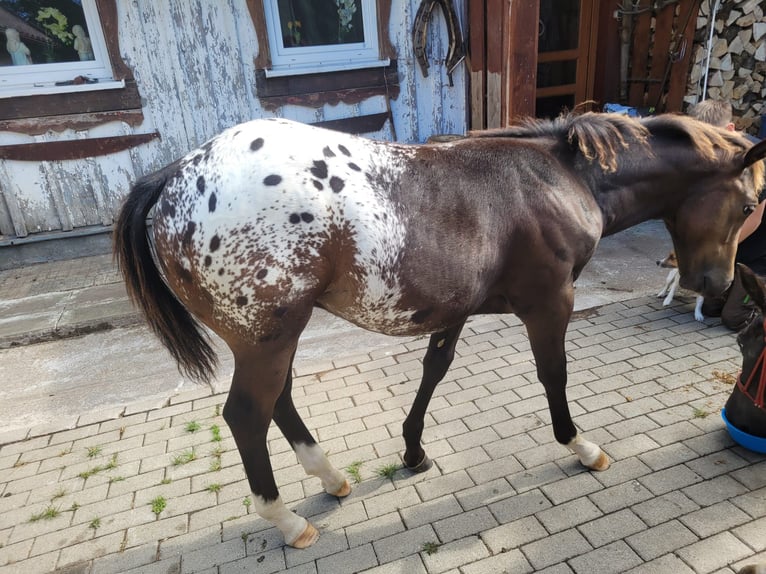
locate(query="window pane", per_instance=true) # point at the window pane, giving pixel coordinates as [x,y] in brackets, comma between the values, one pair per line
[43,32]
[557,73]
[553,106]
[559,25]
[320,22]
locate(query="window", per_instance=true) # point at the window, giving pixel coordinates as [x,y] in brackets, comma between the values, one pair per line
[311,57]
[80,105]
[52,46]
[309,36]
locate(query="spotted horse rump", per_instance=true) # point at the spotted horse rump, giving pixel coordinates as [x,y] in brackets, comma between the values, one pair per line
[272,218]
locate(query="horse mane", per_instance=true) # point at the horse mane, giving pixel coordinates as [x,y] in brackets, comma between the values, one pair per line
[601,136]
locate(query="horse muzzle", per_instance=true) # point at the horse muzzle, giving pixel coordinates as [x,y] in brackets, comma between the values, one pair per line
[708,285]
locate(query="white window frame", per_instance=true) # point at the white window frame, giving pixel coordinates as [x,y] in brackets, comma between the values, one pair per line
[294,60]
[40,79]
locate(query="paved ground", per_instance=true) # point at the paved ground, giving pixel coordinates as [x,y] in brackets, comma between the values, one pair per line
[130,487]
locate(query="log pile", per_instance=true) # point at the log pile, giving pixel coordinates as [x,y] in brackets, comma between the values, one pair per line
[737,69]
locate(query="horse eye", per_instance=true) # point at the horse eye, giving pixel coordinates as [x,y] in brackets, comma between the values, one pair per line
[748,209]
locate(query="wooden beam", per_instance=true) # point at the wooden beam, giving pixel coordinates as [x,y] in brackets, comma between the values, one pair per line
[74,149]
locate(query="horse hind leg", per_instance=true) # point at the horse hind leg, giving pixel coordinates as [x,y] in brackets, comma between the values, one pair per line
[257,385]
[309,453]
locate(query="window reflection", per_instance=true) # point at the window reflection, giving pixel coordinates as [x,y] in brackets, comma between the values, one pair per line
[43,32]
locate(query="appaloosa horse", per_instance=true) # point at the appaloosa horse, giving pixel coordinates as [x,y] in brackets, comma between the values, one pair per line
[746,406]
[272,218]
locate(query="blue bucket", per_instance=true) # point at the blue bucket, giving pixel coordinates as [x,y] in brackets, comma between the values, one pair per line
[750,442]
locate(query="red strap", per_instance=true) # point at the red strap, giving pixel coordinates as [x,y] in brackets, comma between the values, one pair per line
[760,393]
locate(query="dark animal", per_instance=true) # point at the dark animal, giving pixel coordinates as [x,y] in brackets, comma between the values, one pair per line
[746,406]
[272,218]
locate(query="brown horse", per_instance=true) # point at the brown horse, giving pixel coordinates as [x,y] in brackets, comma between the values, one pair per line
[746,406]
[272,218]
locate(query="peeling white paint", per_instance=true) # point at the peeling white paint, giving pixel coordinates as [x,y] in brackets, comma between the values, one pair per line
[194,64]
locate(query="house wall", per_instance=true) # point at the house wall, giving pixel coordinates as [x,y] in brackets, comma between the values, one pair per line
[193,61]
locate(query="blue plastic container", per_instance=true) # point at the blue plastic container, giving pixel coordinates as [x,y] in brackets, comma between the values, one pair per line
[750,442]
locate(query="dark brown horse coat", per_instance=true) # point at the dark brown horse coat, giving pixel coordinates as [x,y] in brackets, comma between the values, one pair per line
[272,218]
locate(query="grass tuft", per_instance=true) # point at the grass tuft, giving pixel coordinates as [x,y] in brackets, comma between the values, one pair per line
[159,504]
[353,471]
[192,426]
[49,513]
[388,470]
[93,451]
[185,457]
[430,548]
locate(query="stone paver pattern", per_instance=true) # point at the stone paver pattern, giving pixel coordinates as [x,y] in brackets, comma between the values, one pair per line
[163,490]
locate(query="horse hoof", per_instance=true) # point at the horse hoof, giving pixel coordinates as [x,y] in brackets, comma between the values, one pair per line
[602,462]
[343,491]
[424,465]
[309,536]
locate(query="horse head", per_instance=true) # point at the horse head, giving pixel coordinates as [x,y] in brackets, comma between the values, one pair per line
[744,408]
[705,226]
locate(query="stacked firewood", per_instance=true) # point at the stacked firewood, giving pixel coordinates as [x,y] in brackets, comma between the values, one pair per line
[737,65]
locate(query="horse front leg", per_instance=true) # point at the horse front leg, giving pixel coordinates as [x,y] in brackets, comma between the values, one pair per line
[257,384]
[441,352]
[546,328]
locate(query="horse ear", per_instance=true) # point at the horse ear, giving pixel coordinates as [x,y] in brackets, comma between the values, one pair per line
[753,286]
[755,153]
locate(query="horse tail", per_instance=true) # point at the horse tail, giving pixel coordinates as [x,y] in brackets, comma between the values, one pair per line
[182,334]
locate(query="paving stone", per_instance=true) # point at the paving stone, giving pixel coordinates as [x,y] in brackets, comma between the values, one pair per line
[714,519]
[513,535]
[714,552]
[263,563]
[519,506]
[569,514]
[668,563]
[455,554]
[329,543]
[42,563]
[94,548]
[661,539]
[673,478]
[374,529]
[714,490]
[126,560]
[614,558]
[464,524]
[663,508]
[198,559]
[556,548]
[484,494]
[390,501]
[430,511]
[513,561]
[408,543]
[611,527]
[571,488]
[408,565]
[620,496]
[753,534]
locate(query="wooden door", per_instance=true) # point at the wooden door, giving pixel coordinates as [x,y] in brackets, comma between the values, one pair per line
[565,53]
[530,54]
